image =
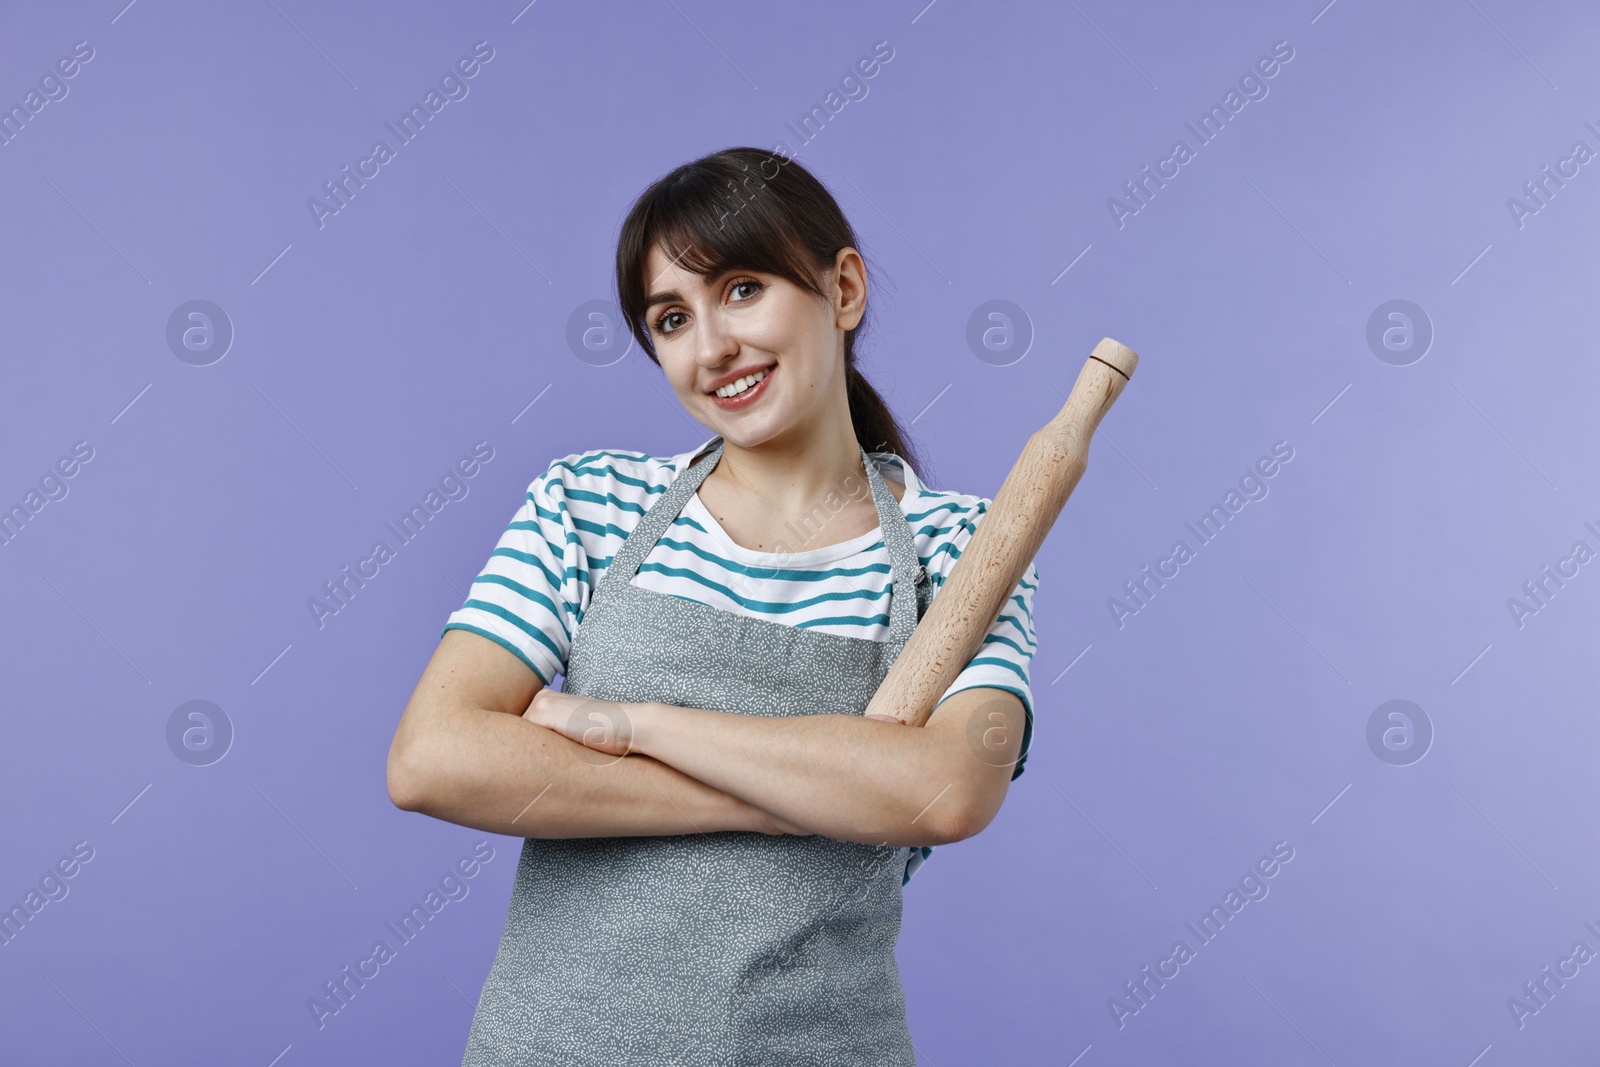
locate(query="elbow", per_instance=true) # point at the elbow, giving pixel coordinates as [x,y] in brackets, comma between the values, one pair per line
[956,822]
[961,809]
[407,781]
[960,814]
[960,826]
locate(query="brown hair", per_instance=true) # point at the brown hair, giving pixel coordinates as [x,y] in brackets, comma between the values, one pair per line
[750,209]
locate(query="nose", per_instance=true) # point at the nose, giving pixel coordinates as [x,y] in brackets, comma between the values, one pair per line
[715,342]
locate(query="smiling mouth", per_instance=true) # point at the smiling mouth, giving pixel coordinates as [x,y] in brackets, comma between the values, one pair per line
[750,392]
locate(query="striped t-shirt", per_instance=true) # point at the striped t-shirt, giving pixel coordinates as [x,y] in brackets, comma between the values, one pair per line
[534,590]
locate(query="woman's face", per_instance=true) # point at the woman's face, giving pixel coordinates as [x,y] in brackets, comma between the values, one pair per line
[710,332]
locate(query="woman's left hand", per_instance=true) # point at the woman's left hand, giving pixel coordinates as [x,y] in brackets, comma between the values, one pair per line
[603,725]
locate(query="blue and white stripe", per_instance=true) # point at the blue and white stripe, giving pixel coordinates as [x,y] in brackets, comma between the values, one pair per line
[534,589]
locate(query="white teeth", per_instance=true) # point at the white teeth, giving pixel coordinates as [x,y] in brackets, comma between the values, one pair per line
[736,387]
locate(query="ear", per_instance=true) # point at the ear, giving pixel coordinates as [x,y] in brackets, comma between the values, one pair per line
[850,288]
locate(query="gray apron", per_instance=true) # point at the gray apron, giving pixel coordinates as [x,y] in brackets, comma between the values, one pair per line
[726,948]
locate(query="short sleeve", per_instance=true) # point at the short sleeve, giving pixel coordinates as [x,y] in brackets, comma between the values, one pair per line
[525,599]
[1005,658]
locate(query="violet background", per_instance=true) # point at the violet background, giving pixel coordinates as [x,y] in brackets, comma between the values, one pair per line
[1169,754]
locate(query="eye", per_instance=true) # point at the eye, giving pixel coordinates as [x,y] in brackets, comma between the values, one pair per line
[660,324]
[748,285]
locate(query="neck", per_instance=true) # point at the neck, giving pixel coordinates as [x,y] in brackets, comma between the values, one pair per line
[793,476]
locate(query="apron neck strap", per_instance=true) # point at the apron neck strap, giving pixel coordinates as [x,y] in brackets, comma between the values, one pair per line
[906,569]
[659,517]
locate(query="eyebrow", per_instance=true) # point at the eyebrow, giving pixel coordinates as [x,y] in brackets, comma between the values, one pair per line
[672,295]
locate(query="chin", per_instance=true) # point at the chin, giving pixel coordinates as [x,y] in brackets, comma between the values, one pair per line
[745,435]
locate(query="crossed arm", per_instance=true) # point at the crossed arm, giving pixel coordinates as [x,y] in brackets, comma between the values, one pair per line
[482,743]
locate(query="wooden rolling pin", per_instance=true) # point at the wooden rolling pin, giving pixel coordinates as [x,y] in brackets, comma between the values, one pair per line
[1005,542]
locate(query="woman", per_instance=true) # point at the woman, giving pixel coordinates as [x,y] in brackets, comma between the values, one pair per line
[716,835]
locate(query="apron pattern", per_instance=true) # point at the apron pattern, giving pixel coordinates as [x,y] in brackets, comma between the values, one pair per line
[718,949]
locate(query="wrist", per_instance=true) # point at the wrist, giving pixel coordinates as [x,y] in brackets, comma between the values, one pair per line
[645,725]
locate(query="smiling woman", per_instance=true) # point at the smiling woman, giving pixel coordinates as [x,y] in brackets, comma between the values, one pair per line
[780,270]
[716,835]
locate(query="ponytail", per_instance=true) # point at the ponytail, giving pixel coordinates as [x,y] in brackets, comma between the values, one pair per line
[876,428]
